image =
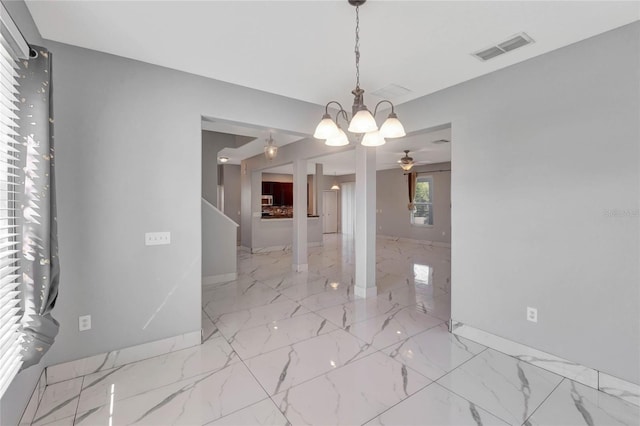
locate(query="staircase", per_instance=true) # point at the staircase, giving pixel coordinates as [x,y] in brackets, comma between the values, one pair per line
[219,252]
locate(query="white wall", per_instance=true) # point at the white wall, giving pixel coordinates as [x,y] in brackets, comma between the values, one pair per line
[394,218]
[541,151]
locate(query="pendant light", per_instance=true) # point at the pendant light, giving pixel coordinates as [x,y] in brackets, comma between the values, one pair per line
[362,121]
[406,162]
[335,186]
[270,149]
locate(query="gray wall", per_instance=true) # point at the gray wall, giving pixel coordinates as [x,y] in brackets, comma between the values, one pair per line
[276,177]
[279,232]
[328,182]
[129,158]
[541,152]
[219,235]
[128,153]
[16,397]
[212,144]
[392,198]
[231,174]
[251,175]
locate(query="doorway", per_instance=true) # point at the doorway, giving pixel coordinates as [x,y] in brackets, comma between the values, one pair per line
[330,212]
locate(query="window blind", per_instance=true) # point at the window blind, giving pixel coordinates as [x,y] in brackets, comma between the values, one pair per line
[12,47]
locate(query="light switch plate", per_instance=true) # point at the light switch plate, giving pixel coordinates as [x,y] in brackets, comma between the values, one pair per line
[157,238]
[84,323]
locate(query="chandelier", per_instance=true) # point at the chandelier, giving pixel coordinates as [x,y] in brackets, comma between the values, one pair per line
[270,149]
[406,162]
[362,121]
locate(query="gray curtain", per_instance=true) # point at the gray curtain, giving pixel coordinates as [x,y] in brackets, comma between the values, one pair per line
[39,260]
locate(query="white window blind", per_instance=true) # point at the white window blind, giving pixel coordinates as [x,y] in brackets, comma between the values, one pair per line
[12,46]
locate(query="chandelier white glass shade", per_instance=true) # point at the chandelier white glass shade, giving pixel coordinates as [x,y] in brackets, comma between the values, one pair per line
[373,139]
[362,121]
[406,162]
[270,149]
[340,139]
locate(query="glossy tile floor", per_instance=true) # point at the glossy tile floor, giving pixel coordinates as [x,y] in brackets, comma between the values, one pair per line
[298,348]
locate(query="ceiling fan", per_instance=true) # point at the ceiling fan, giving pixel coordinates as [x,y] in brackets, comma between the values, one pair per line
[406,162]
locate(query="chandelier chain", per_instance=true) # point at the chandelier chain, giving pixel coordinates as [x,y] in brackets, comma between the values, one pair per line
[357,47]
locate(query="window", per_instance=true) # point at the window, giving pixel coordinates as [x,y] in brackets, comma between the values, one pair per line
[10,334]
[422,213]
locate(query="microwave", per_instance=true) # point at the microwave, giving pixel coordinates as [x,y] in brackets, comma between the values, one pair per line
[267,200]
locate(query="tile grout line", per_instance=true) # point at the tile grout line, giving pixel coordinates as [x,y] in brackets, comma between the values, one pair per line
[399,402]
[359,359]
[466,399]
[75,413]
[526,421]
[338,327]
[265,391]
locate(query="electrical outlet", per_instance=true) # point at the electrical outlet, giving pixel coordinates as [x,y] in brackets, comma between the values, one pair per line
[532,314]
[84,323]
[157,238]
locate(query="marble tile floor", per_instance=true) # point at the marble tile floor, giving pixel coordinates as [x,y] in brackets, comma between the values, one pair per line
[298,348]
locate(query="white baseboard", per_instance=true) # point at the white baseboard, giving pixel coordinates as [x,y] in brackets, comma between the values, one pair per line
[302,267]
[410,240]
[93,364]
[365,292]
[591,377]
[222,278]
[630,392]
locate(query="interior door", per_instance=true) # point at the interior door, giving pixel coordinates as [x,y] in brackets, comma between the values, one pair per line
[330,212]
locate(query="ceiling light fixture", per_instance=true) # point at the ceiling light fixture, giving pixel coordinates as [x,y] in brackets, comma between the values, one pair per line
[362,121]
[223,159]
[335,186]
[270,149]
[406,162]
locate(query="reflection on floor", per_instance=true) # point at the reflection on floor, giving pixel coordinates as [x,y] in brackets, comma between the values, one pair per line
[299,348]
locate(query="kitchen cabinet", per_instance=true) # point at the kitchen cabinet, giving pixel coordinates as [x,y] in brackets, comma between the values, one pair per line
[282,192]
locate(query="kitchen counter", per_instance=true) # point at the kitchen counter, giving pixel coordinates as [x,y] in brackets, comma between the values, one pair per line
[276,232]
[282,216]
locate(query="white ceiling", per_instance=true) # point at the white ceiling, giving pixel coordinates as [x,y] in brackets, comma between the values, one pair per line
[421,148]
[304,49]
[251,148]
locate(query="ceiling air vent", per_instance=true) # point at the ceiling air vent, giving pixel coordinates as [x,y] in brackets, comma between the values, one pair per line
[508,45]
[441,141]
[392,91]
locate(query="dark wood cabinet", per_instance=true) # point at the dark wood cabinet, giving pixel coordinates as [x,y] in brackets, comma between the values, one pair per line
[282,192]
[287,194]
